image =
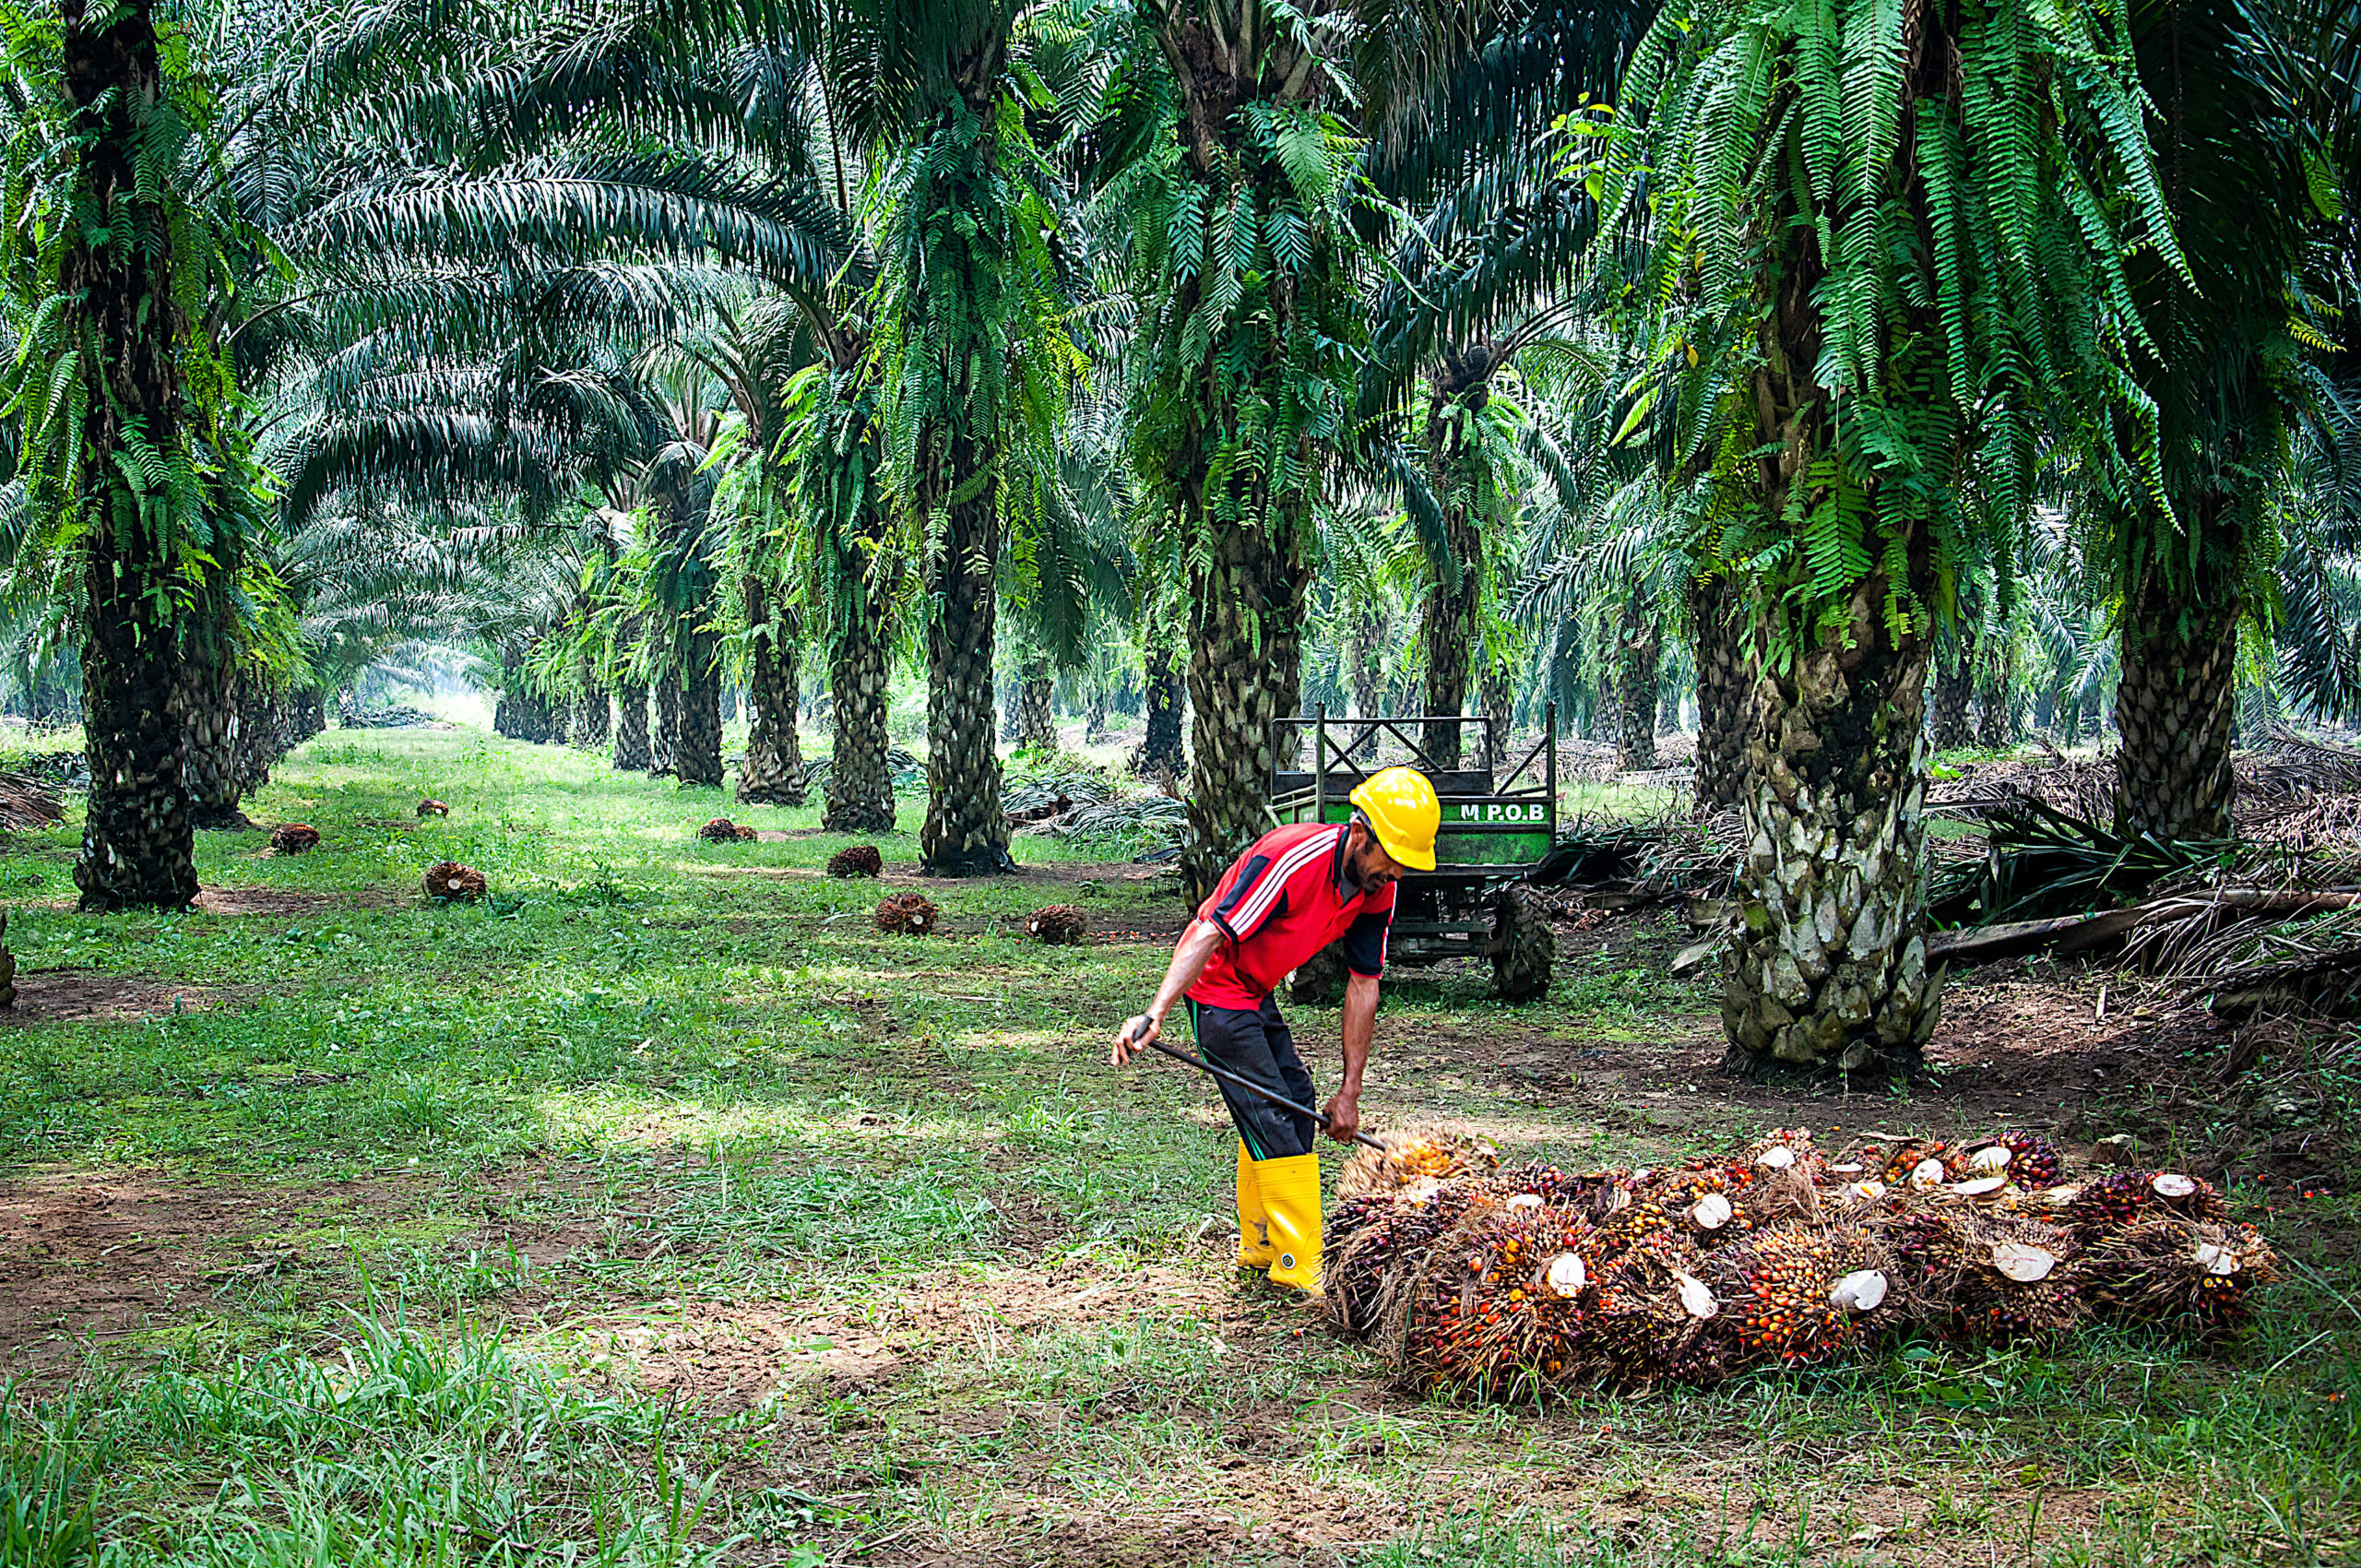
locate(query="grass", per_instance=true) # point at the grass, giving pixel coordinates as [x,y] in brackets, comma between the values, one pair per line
[658,1211]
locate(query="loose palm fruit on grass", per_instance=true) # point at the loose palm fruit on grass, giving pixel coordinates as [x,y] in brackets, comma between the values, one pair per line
[295,837]
[449,882]
[433,807]
[859,859]
[913,913]
[1056,925]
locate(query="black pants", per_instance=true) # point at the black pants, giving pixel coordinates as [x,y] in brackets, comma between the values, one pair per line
[1260,1045]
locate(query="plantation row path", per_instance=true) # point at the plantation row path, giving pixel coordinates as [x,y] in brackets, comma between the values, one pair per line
[660,1205]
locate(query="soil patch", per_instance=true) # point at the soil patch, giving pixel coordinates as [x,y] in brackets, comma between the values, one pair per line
[84,1256]
[288,900]
[86,996]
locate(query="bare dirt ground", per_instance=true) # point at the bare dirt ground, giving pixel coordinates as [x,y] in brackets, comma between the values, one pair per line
[87,996]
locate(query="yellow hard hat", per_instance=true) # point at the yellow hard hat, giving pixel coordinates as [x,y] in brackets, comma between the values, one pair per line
[1402,810]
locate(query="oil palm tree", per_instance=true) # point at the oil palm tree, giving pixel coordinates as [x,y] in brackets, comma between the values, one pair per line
[132,463]
[2252,109]
[1904,227]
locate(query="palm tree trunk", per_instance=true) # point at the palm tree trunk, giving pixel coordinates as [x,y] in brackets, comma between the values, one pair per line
[137,847]
[632,753]
[1723,687]
[1996,678]
[1830,962]
[1037,727]
[664,745]
[860,779]
[1094,713]
[590,720]
[1955,683]
[2173,709]
[1828,956]
[1164,697]
[698,761]
[1245,626]
[772,770]
[1638,646]
[213,691]
[1447,614]
[965,834]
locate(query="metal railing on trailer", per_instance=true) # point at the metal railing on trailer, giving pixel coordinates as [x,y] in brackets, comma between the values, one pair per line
[1519,804]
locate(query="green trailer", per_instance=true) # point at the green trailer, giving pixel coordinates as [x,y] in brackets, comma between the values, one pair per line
[1500,819]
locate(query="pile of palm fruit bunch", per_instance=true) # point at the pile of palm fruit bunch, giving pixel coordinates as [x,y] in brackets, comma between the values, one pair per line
[857,860]
[912,913]
[449,882]
[1057,925]
[1480,1281]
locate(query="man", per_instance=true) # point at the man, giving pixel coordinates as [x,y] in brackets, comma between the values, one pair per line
[1297,890]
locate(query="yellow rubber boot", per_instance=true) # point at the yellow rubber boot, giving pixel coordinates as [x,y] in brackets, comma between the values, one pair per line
[1253,1223]
[1291,1199]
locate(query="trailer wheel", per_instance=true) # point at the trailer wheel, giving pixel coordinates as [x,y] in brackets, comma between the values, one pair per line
[1525,949]
[1319,982]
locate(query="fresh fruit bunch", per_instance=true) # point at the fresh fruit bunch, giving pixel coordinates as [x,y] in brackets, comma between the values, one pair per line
[1593,1193]
[1416,1153]
[2191,1277]
[1792,1294]
[2016,1280]
[913,913]
[7,966]
[2027,1160]
[858,859]
[1649,1313]
[1783,1148]
[295,837]
[1508,1323]
[721,830]
[1698,1196]
[1382,1237]
[1056,925]
[2112,1201]
[430,806]
[449,882]
[1919,1163]
[1636,1222]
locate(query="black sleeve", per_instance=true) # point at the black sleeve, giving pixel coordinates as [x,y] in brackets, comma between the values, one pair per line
[1364,943]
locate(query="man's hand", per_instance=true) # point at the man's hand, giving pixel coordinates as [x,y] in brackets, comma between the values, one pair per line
[1344,1116]
[1133,1038]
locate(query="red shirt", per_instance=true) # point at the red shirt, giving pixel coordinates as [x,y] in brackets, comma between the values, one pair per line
[1282,902]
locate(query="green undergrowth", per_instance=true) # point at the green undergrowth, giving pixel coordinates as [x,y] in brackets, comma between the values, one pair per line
[660,1210]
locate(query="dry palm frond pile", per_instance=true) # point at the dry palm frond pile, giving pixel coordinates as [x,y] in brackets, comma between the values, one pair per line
[25,802]
[295,837]
[859,859]
[1057,925]
[721,830]
[1485,1283]
[430,806]
[913,913]
[449,882]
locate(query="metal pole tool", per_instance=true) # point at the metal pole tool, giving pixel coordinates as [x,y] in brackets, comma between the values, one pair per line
[1133,1030]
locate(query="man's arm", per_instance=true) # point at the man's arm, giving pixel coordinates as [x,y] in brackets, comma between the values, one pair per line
[1361,1026]
[1189,959]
